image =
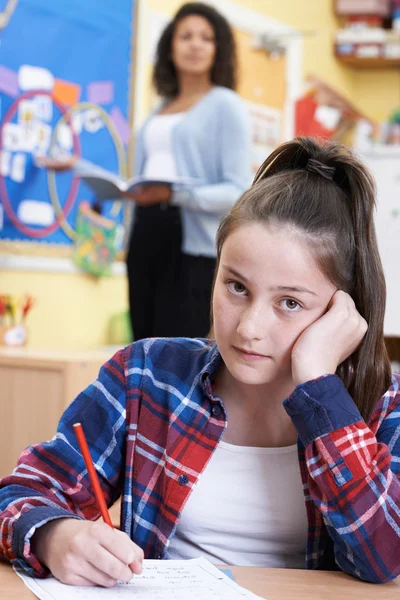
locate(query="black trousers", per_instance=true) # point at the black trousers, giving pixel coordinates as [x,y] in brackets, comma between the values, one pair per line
[197,275]
[169,292]
[153,262]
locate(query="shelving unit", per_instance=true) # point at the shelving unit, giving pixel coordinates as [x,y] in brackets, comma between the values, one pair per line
[368,63]
[367,37]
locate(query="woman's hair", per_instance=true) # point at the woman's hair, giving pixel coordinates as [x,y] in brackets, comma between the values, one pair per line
[326,195]
[224,69]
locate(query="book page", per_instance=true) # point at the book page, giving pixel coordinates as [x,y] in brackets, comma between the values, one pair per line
[195,579]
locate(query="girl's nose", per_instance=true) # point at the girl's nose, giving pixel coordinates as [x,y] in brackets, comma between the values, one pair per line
[253,323]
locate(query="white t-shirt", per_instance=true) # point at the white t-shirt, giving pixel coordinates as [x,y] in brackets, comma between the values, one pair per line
[158,146]
[247,508]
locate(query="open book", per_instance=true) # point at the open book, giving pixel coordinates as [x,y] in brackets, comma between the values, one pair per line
[109,186]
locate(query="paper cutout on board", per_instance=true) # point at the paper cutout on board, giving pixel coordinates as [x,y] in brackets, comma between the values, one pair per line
[121,124]
[93,121]
[8,82]
[43,137]
[5,163]
[11,137]
[100,92]
[35,78]
[18,167]
[77,122]
[34,212]
[64,137]
[27,110]
[66,92]
[44,108]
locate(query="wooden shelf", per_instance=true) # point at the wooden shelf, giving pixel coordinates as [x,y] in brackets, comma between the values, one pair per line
[369,63]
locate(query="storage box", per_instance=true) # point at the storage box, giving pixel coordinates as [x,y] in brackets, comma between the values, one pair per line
[363,7]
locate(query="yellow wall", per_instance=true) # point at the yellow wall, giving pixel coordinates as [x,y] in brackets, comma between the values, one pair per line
[71,311]
[377,92]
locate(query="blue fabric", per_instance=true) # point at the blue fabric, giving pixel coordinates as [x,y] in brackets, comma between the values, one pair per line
[333,410]
[212,144]
[32,520]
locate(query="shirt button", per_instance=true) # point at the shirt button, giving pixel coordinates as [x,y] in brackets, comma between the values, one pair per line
[183,479]
[158,556]
[216,411]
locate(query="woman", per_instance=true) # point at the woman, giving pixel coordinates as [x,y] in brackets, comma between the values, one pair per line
[200,131]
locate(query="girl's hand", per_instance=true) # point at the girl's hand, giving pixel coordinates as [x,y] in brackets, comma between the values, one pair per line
[328,341]
[86,552]
[148,195]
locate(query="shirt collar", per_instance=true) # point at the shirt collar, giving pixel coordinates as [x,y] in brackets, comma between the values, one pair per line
[210,369]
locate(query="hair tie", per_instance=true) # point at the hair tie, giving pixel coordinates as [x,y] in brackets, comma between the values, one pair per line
[317,167]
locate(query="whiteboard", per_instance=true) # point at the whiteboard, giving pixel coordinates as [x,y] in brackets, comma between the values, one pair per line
[385,165]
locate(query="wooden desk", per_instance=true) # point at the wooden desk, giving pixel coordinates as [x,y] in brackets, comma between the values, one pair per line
[36,386]
[272,584]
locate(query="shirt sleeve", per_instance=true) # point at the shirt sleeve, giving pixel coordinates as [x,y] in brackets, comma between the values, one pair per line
[50,480]
[234,150]
[353,475]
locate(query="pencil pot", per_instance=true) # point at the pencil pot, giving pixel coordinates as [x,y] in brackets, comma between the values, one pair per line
[13,335]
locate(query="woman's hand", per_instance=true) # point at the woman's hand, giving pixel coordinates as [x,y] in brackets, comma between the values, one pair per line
[86,553]
[148,195]
[328,341]
[57,164]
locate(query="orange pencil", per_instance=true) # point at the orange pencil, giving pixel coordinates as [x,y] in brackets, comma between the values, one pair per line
[101,503]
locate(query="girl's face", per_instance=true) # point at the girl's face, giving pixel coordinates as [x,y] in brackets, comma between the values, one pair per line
[193,45]
[268,290]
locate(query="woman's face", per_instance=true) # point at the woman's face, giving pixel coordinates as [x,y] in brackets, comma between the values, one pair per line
[268,290]
[193,46]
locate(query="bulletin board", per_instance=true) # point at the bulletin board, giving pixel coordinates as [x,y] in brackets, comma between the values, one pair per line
[65,88]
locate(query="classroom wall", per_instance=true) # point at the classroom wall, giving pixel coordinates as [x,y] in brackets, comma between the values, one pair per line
[72,310]
[377,92]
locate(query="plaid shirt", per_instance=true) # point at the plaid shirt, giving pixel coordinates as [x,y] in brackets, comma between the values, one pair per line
[152,424]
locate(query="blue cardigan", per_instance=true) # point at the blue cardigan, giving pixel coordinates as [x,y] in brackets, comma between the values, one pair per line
[212,144]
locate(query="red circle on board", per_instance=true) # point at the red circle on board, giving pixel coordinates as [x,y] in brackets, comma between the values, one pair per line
[73,191]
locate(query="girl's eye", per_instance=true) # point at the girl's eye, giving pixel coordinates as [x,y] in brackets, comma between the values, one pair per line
[290,305]
[237,288]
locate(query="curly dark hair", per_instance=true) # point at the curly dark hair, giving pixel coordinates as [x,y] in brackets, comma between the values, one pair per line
[224,69]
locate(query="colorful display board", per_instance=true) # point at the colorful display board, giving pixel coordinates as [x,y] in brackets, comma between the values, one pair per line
[65,73]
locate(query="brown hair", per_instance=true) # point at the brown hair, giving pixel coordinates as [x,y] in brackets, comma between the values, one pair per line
[330,202]
[223,72]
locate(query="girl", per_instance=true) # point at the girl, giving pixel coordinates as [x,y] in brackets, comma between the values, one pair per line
[291,416]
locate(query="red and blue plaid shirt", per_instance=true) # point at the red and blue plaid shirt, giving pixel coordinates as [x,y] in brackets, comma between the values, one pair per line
[152,424]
